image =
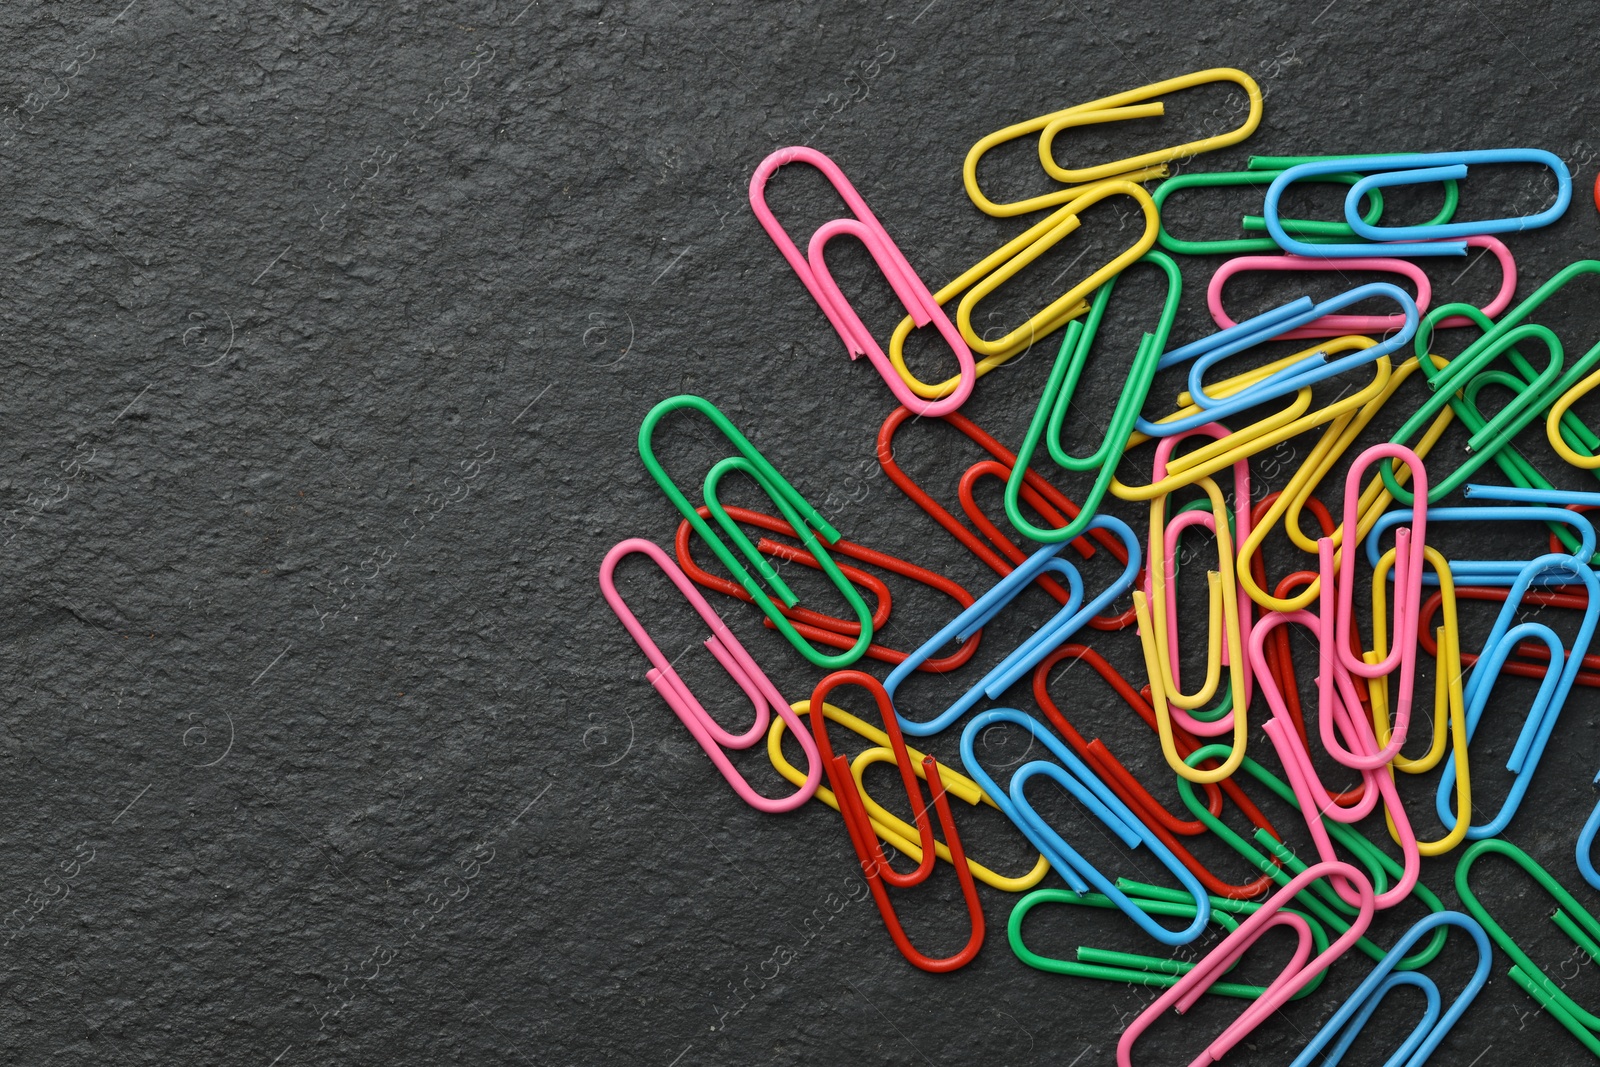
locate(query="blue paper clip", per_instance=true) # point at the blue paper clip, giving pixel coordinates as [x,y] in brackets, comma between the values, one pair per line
[1347,1023]
[1072,617]
[1547,705]
[1073,775]
[1482,571]
[1586,838]
[1411,169]
[1269,324]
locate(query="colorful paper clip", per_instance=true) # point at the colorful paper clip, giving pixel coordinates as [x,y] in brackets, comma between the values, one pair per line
[1382,172]
[796,511]
[1252,245]
[1127,105]
[711,737]
[874,864]
[1073,775]
[1055,402]
[1329,325]
[1202,354]
[1573,919]
[1553,691]
[1300,969]
[818,280]
[1346,1025]
[1137,968]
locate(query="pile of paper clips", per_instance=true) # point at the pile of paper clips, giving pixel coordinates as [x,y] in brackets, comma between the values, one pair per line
[1363,696]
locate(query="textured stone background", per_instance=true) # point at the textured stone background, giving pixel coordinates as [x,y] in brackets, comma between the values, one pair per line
[327,330]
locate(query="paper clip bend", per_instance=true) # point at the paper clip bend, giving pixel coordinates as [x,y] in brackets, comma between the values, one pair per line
[1586,836]
[1385,171]
[1126,105]
[1347,1023]
[1573,919]
[1073,775]
[711,737]
[874,865]
[1300,969]
[795,509]
[1049,418]
[818,280]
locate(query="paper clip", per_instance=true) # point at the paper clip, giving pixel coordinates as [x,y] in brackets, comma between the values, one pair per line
[1552,695]
[1130,790]
[1347,1023]
[1411,169]
[818,280]
[1328,325]
[888,826]
[1410,543]
[1137,968]
[1126,105]
[983,277]
[710,736]
[1056,401]
[1228,951]
[873,862]
[1073,775]
[1573,919]
[816,626]
[797,512]
[1320,900]
[1069,620]
[1202,354]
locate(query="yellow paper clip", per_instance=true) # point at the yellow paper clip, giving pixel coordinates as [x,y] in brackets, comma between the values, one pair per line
[987,275]
[1132,104]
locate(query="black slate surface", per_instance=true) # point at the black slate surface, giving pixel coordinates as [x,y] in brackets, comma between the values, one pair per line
[327,330]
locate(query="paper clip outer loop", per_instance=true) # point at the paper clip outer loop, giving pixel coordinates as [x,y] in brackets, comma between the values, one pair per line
[815,276]
[1296,974]
[1056,401]
[1329,325]
[1346,1023]
[888,826]
[1570,916]
[1005,264]
[799,513]
[710,736]
[1125,105]
[1073,775]
[1428,240]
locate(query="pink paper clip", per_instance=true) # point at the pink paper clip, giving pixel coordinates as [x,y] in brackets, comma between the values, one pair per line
[1408,567]
[734,659]
[1295,974]
[1327,325]
[814,274]
[1242,507]
[1340,709]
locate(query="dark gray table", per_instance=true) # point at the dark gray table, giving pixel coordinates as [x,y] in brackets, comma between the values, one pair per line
[328,327]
